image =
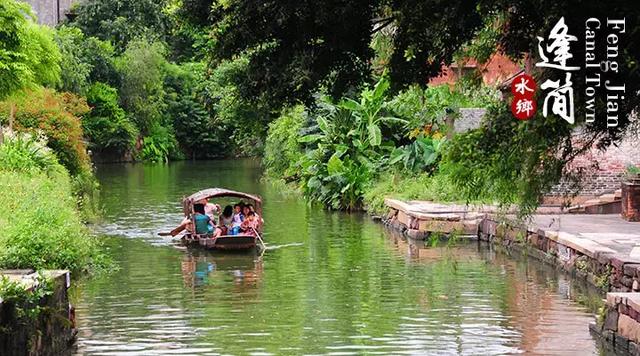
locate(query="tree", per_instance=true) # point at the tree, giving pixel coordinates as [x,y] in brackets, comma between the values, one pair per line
[28,54]
[108,129]
[298,47]
[121,21]
[84,60]
[142,72]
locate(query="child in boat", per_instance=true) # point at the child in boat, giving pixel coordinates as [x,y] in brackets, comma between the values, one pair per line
[258,218]
[226,220]
[250,224]
[238,218]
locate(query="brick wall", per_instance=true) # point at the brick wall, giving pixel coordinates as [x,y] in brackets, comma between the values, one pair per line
[604,170]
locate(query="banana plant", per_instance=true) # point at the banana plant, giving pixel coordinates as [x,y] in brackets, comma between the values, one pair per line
[421,155]
[367,113]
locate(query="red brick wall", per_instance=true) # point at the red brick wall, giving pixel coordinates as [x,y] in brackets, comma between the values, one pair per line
[604,169]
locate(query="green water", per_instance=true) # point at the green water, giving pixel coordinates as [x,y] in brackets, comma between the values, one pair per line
[333,283]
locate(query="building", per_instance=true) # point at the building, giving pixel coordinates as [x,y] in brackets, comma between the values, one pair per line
[50,12]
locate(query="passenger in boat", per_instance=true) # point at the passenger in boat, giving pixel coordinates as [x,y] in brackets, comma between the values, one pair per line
[226,220]
[250,224]
[259,218]
[202,222]
[238,218]
[211,210]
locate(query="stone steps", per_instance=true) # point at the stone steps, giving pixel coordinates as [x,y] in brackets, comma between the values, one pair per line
[605,204]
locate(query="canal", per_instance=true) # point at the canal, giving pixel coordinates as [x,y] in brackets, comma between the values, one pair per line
[332,283]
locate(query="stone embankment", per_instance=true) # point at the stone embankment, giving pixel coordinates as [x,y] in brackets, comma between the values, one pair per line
[603,249]
[52,331]
[619,326]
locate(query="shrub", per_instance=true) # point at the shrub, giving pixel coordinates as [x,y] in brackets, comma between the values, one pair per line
[282,151]
[198,136]
[22,153]
[57,116]
[106,126]
[159,146]
[84,60]
[242,122]
[39,225]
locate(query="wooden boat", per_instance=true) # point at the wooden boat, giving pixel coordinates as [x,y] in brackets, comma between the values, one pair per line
[224,242]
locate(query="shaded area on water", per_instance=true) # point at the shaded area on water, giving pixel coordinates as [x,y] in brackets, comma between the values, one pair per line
[342,284]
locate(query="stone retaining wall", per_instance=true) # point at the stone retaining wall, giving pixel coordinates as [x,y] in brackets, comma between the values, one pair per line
[51,333]
[599,265]
[619,324]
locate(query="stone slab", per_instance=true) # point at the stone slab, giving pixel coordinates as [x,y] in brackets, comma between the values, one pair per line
[628,328]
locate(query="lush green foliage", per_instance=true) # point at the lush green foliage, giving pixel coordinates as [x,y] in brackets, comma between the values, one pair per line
[349,148]
[194,129]
[282,150]
[512,161]
[22,153]
[58,117]
[122,21]
[28,54]
[142,73]
[422,155]
[242,122]
[108,129]
[159,145]
[344,146]
[298,47]
[39,224]
[85,60]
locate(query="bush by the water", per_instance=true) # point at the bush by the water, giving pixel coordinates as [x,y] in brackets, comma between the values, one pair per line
[282,150]
[40,226]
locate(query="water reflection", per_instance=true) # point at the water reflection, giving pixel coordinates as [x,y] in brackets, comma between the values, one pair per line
[202,268]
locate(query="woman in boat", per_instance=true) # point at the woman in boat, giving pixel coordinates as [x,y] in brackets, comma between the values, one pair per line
[258,218]
[201,221]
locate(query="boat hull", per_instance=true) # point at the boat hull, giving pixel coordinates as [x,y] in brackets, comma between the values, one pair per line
[237,242]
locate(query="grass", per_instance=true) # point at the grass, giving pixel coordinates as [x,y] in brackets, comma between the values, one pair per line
[409,187]
[40,224]
[40,227]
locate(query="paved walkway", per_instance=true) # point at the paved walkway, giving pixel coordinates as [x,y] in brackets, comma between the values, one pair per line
[609,231]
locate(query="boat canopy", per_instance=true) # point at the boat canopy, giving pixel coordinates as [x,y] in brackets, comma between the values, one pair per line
[187,203]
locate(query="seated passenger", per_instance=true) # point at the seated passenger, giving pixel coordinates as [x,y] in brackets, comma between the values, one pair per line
[250,224]
[226,220]
[259,218]
[203,223]
[211,210]
[238,218]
